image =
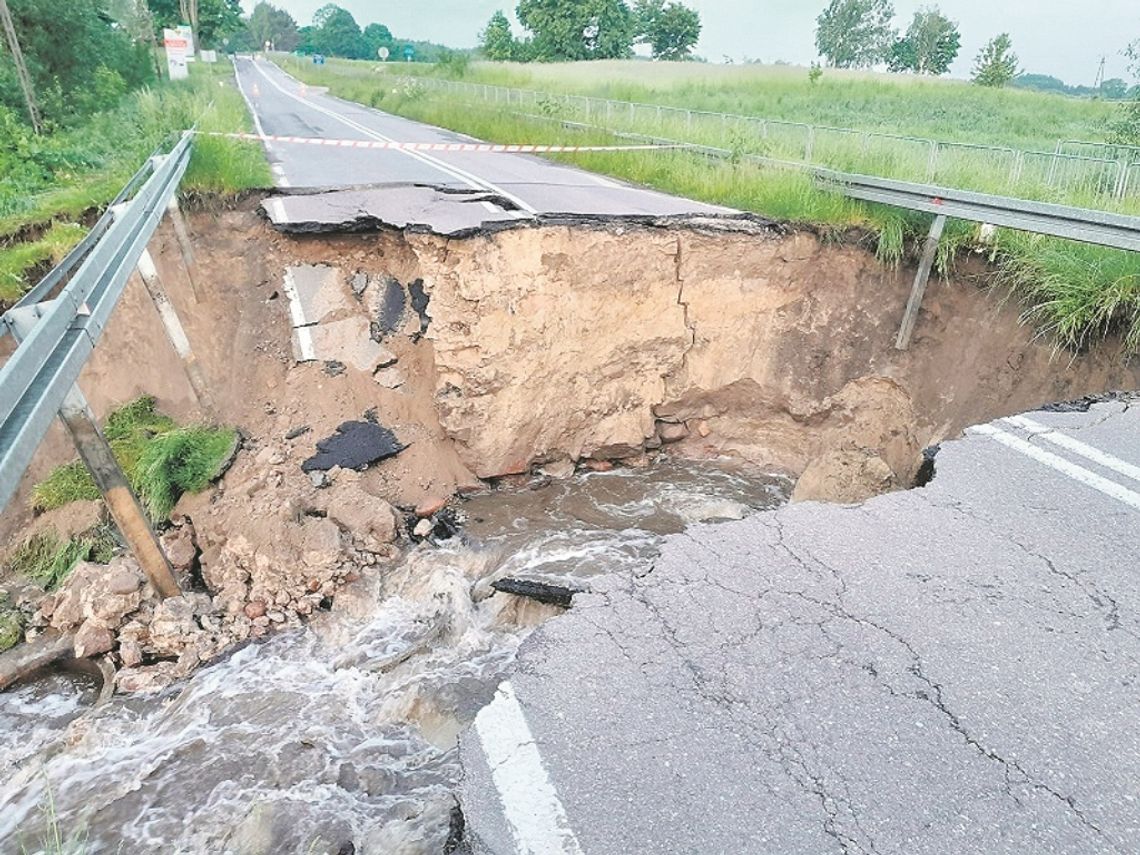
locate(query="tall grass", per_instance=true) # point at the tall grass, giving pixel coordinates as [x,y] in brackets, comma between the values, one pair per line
[162,460]
[62,177]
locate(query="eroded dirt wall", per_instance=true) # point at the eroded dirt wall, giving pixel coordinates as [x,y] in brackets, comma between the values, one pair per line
[570,341]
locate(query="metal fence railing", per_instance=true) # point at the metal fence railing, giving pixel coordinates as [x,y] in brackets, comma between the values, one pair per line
[1091,174]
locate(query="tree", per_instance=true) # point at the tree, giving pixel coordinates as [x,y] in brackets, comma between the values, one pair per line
[855,33]
[267,23]
[377,36]
[497,42]
[336,33]
[217,19]
[996,64]
[1125,128]
[930,46]
[670,30]
[77,59]
[578,29]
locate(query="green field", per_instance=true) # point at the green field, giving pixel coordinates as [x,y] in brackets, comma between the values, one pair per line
[55,185]
[1075,293]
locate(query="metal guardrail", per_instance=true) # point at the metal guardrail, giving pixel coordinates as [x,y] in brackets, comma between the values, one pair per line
[1081,224]
[57,336]
[1072,170]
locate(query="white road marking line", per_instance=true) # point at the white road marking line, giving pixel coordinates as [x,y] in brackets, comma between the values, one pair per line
[277,210]
[537,818]
[1072,470]
[276,168]
[1085,450]
[300,326]
[455,172]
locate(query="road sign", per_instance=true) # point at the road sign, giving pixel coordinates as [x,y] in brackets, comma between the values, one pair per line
[409,53]
[177,47]
[383,53]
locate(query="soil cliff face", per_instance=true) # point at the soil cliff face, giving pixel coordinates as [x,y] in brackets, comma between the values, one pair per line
[571,342]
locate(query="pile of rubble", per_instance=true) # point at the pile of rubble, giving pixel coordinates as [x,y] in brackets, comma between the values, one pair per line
[262,553]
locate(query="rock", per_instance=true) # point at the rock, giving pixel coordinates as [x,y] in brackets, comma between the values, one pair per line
[368,518]
[298,431]
[254,609]
[108,592]
[130,654]
[703,428]
[92,638]
[844,475]
[390,377]
[355,445]
[423,528]
[672,431]
[359,283]
[334,368]
[559,469]
[180,547]
[430,506]
[146,678]
[319,479]
[599,465]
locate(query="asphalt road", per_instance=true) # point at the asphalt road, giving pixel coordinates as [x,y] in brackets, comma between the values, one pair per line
[284,106]
[952,669]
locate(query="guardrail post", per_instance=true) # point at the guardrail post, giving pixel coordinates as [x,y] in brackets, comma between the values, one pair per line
[182,235]
[809,146]
[176,333]
[96,454]
[920,280]
[117,493]
[932,161]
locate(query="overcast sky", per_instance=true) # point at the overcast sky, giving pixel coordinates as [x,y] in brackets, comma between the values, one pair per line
[1065,38]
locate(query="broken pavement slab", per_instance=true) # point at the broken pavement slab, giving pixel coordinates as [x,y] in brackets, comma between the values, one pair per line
[942,670]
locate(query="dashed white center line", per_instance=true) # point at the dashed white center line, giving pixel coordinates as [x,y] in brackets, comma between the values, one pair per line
[1065,467]
[531,806]
[1085,450]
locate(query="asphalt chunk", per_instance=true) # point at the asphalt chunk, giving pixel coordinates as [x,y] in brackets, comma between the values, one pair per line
[355,445]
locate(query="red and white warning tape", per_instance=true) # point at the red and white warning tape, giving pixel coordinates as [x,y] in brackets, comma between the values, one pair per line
[461,147]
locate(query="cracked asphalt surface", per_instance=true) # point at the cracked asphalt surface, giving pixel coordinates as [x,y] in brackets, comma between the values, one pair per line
[950,669]
[530,185]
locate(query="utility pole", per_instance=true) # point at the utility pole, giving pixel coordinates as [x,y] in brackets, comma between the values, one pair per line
[21,68]
[1100,74]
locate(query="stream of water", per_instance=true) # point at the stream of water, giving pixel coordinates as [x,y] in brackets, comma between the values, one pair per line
[340,737]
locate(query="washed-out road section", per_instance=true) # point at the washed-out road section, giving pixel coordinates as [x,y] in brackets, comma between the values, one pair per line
[508,186]
[952,669]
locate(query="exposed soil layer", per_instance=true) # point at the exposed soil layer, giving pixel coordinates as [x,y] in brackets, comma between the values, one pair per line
[550,344]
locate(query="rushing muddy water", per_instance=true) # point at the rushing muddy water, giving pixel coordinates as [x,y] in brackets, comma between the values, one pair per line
[344,732]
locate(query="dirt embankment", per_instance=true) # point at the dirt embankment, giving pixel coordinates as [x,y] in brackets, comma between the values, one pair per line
[555,343]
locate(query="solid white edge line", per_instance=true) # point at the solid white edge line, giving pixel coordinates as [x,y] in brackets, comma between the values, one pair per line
[1072,470]
[276,210]
[530,802]
[275,167]
[307,351]
[474,181]
[1089,452]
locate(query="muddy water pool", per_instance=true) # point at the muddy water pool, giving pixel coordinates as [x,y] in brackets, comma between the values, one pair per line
[339,737]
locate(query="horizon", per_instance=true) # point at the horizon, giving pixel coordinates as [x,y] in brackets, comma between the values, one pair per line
[1047,39]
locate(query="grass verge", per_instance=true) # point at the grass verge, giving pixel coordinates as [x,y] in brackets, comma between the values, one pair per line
[162,460]
[1074,293]
[45,558]
[59,180]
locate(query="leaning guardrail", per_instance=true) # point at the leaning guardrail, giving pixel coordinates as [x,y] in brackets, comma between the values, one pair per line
[56,336]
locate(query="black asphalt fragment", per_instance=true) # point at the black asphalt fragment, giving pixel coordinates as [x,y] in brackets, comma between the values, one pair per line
[355,445]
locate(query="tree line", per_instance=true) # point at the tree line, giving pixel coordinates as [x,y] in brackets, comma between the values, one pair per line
[862,34]
[569,30]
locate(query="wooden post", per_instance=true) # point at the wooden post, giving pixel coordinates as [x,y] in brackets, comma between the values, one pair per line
[176,334]
[21,67]
[920,280]
[183,236]
[117,493]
